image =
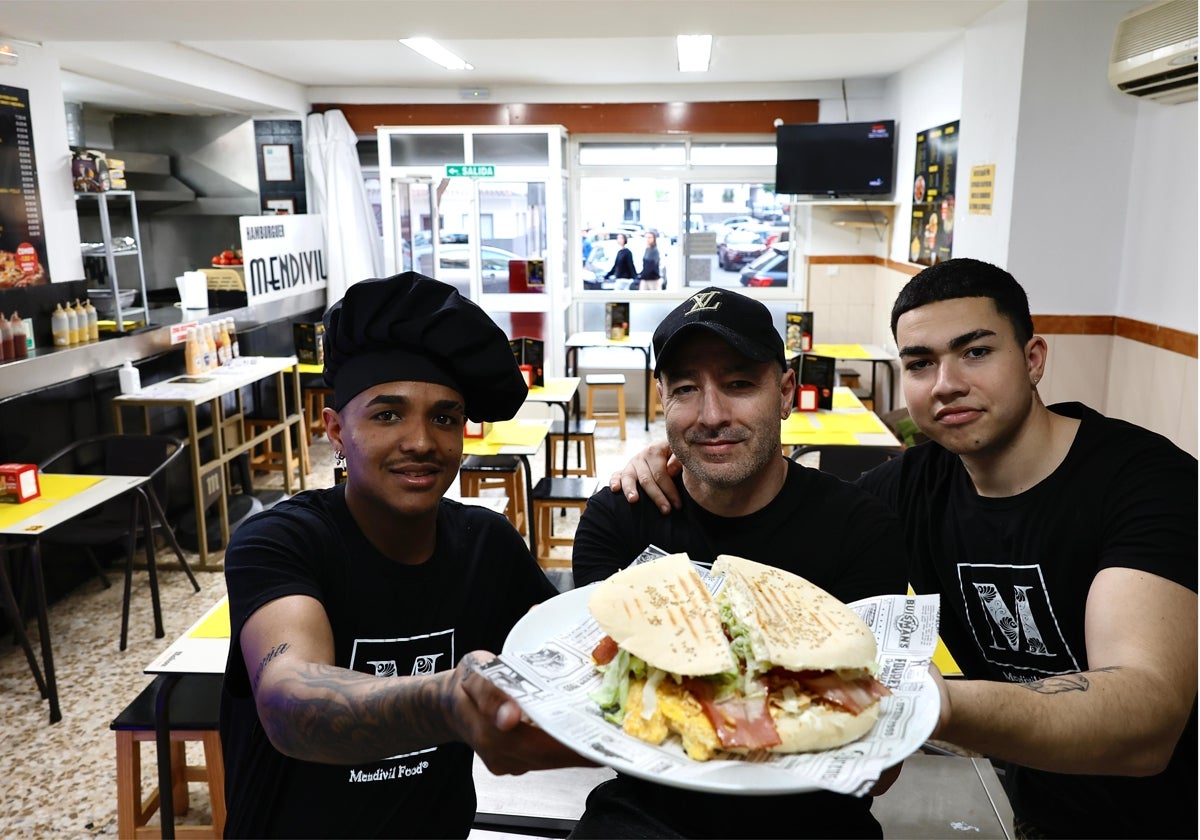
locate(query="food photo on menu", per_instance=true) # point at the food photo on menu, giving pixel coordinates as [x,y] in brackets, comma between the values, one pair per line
[741,678]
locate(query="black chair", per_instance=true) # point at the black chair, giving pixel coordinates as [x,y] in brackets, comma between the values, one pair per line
[118,519]
[848,461]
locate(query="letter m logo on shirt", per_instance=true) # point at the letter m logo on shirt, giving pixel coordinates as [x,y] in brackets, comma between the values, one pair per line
[1010,613]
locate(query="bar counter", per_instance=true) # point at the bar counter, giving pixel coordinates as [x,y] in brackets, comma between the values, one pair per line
[48,366]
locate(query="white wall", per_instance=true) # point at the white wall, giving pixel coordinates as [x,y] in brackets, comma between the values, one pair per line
[38,72]
[923,95]
[1074,140]
[1158,256]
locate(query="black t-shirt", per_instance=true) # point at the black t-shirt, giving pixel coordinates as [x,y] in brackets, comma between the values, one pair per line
[1014,575]
[819,527]
[388,619]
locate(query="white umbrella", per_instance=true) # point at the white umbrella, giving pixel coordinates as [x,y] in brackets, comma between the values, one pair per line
[351,235]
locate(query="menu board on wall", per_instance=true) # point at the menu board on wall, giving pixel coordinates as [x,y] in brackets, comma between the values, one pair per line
[22,239]
[931,237]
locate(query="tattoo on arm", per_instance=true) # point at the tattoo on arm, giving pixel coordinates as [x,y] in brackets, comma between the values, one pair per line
[1069,682]
[271,654]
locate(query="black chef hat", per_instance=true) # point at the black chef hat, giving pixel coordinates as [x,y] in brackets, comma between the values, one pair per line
[412,328]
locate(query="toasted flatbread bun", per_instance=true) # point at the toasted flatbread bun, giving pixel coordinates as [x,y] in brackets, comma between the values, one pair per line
[636,605]
[821,728]
[793,623]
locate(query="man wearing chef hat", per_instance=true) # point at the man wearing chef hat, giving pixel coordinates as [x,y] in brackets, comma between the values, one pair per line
[349,707]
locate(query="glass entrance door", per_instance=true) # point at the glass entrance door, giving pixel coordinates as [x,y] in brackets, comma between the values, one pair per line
[412,210]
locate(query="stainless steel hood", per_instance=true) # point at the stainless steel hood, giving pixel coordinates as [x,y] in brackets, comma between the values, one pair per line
[185,165]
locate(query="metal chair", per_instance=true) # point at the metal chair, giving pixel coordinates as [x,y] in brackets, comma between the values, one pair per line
[847,461]
[118,519]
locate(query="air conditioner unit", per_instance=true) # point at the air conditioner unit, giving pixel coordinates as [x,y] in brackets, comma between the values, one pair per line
[1154,52]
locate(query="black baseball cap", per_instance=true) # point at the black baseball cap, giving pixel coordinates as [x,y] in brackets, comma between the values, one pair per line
[741,321]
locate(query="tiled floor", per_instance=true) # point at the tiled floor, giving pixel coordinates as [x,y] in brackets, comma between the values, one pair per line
[59,780]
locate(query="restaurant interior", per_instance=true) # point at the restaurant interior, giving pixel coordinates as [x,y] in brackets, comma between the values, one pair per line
[171,177]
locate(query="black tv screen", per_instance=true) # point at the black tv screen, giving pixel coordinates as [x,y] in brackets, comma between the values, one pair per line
[836,159]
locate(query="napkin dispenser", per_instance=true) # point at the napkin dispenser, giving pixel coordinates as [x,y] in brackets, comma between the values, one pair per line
[193,289]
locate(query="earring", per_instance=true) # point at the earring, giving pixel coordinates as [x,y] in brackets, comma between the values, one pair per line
[339,460]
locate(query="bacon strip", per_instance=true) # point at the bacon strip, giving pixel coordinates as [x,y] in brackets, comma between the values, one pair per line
[851,695]
[605,651]
[741,722]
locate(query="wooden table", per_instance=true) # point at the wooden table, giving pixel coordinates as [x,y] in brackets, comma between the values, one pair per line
[848,423]
[63,497]
[596,338]
[226,436]
[521,438]
[872,353]
[559,391]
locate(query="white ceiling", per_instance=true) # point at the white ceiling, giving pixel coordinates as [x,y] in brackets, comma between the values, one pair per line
[552,50]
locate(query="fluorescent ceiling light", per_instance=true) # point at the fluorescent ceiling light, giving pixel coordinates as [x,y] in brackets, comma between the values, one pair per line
[436,53]
[694,52]
[8,55]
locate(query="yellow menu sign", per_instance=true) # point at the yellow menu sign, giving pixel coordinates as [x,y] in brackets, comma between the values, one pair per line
[983,180]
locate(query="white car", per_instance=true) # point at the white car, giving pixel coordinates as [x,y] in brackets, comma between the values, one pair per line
[454,267]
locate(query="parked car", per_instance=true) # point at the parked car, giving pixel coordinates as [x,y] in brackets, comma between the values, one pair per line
[723,227]
[454,267]
[770,269]
[740,247]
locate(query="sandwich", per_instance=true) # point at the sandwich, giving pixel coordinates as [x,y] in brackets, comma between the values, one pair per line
[773,662]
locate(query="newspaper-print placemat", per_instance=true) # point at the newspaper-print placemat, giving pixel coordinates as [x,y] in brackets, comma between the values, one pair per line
[547,667]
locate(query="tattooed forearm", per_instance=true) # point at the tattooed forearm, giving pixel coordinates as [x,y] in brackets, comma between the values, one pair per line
[336,716]
[1069,682]
[271,654]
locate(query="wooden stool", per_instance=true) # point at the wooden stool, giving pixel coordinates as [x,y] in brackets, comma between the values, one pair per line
[551,493]
[656,407]
[315,399]
[490,472]
[194,710]
[583,436]
[265,457]
[848,377]
[607,382]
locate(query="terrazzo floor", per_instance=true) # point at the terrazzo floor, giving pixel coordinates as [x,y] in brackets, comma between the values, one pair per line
[59,780]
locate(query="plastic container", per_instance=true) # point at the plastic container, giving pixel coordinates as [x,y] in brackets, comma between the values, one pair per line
[130,378]
[20,337]
[60,327]
[93,320]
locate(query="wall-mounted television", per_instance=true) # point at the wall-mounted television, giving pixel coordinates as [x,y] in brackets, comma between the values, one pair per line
[836,159]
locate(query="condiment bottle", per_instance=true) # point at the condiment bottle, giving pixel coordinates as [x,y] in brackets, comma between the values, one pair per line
[20,337]
[72,325]
[60,327]
[81,317]
[6,340]
[93,320]
[130,378]
[234,350]
[210,347]
[221,337]
[193,353]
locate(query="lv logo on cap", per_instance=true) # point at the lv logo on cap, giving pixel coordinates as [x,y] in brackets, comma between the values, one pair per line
[705,300]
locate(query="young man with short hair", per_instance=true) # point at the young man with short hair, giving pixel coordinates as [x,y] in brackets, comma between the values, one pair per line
[350,707]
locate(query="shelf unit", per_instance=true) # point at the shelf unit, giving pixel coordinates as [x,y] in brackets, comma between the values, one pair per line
[110,253]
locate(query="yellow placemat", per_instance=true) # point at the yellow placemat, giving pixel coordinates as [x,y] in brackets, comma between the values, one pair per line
[840,351]
[555,391]
[54,489]
[515,433]
[216,626]
[797,423]
[863,421]
[846,399]
[820,436]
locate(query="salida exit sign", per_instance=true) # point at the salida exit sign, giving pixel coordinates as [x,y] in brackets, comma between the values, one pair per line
[470,170]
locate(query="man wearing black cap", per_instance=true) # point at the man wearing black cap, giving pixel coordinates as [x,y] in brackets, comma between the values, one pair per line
[350,707]
[724,387]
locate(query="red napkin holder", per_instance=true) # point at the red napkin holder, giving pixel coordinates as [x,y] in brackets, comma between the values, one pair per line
[806,398]
[19,482]
[527,372]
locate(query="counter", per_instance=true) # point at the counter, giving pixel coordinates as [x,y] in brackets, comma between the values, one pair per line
[48,366]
